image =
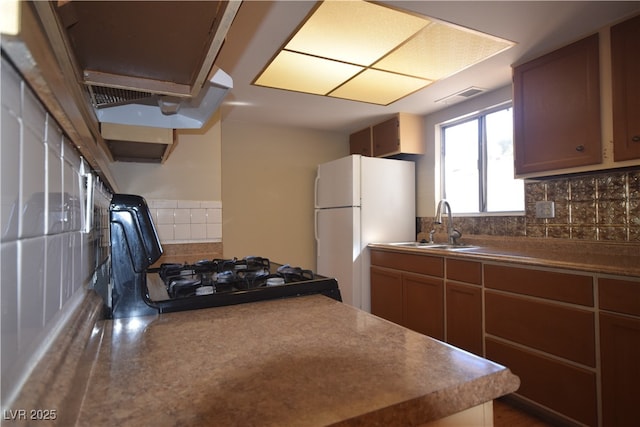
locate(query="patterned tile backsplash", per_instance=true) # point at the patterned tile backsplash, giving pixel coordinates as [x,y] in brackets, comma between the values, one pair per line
[596,206]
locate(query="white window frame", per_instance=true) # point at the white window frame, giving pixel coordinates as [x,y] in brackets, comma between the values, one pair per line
[482,182]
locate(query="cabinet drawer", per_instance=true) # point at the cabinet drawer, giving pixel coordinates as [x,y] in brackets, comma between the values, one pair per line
[622,296]
[567,389]
[565,287]
[549,327]
[422,264]
[464,271]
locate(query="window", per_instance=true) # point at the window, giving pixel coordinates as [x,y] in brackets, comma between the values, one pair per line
[477,164]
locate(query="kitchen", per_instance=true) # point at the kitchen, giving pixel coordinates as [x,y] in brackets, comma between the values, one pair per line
[241,156]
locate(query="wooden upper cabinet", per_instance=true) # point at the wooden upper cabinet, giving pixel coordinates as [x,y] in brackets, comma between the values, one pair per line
[402,134]
[556,104]
[625,63]
[360,142]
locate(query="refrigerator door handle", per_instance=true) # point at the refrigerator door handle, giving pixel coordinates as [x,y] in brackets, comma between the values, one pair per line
[315,226]
[315,190]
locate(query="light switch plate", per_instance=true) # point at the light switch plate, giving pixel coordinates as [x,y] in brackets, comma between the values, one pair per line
[545,209]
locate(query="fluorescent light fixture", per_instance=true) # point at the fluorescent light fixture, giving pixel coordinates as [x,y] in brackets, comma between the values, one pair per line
[304,73]
[441,50]
[354,32]
[371,53]
[379,87]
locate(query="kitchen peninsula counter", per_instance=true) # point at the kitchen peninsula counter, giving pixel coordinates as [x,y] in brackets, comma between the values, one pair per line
[298,361]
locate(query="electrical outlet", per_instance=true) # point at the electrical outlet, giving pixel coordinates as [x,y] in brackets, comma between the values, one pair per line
[545,209]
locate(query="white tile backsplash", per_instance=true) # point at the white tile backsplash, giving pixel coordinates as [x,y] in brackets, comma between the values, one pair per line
[32,184]
[53,276]
[53,137]
[198,216]
[10,164]
[188,204]
[182,216]
[187,221]
[182,232]
[46,258]
[198,232]
[214,216]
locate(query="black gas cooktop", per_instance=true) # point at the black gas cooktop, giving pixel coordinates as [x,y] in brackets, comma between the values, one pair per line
[219,282]
[207,277]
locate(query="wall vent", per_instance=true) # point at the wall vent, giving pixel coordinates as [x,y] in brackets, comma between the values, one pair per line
[107,96]
[461,96]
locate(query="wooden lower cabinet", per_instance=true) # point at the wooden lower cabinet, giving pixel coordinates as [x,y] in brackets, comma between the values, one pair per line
[464,316]
[620,358]
[620,351]
[565,388]
[577,353]
[463,296]
[408,299]
[423,304]
[386,294]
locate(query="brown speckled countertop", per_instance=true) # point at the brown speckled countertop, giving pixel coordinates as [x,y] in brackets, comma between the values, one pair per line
[594,257]
[303,361]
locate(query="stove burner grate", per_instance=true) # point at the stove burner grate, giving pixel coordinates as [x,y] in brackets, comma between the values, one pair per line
[205,277]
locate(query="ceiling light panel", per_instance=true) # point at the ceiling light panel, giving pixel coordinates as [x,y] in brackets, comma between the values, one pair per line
[368,52]
[304,73]
[441,50]
[379,87]
[355,32]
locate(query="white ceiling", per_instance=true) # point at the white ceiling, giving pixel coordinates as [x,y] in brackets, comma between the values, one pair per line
[262,27]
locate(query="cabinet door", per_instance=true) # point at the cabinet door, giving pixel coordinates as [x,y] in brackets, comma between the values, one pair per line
[556,106]
[386,294]
[620,358]
[625,63]
[424,304]
[360,142]
[464,317]
[386,138]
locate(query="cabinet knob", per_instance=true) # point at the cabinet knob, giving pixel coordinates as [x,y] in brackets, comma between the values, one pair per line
[580,148]
[635,138]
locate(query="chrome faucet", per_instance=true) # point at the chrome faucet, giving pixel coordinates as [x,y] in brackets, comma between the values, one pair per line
[453,234]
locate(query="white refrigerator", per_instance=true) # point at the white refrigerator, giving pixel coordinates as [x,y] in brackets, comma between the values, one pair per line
[360,200]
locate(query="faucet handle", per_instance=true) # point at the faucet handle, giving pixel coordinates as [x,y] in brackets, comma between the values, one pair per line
[454,236]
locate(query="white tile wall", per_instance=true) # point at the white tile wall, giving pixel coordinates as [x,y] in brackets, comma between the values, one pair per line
[187,221]
[45,257]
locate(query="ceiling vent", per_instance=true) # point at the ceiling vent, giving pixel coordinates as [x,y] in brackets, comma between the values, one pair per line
[464,94]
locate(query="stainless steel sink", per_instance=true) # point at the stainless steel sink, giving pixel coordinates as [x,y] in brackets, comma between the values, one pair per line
[441,246]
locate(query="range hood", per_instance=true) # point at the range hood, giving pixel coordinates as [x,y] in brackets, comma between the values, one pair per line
[148,63]
[137,64]
[172,112]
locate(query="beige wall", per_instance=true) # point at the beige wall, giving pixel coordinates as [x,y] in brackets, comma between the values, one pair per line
[192,172]
[268,188]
